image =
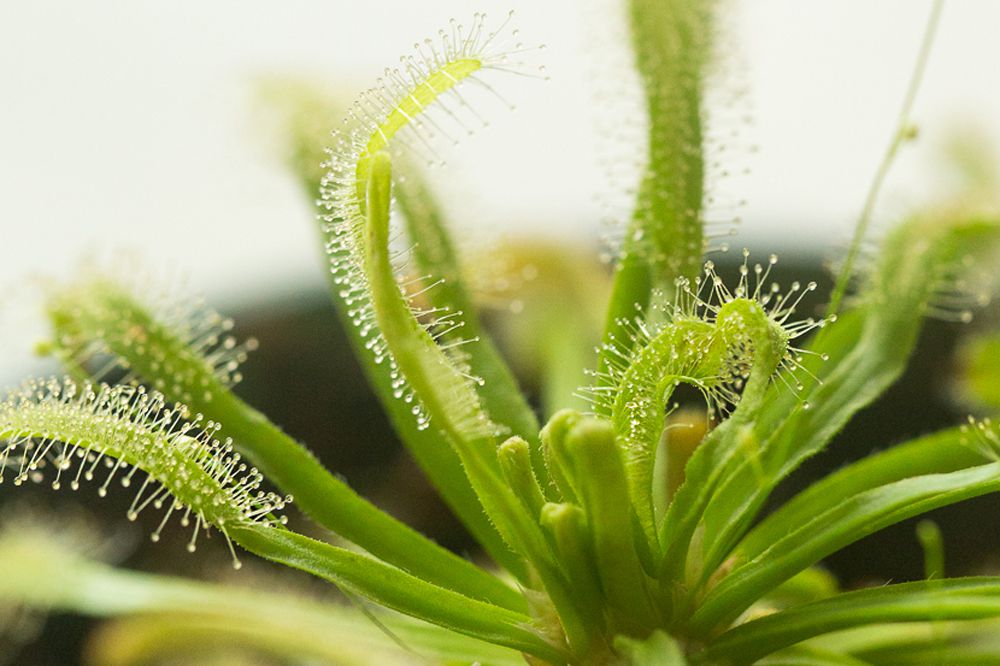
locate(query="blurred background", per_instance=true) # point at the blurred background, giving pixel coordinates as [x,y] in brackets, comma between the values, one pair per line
[139,128]
[137,125]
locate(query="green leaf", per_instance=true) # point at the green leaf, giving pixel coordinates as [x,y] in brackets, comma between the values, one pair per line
[565,347]
[934,454]
[867,352]
[439,463]
[557,457]
[196,638]
[935,655]
[566,525]
[445,393]
[953,599]
[398,590]
[672,42]
[845,523]
[451,404]
[330,502]
[932,642]
[742,324]
[196,476]
[339,508]
[741,491]
[447,397]
[169,352]
[63,431]
[970,643]
[802,655]
[433,382]
[436,458]
[54,576]
[603,491]
[517,471]
[434,254]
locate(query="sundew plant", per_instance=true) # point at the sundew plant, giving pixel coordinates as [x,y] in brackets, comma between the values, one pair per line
[620,532]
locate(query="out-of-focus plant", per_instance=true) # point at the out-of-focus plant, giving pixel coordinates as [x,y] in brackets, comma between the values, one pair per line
[980,367]
[623,531]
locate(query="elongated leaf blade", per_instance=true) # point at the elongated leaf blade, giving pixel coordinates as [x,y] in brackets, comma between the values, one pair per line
[157,351]
[398,590]
[867,351]
[53,576]
[434,254]
[954,599]
[848,521]
[934,454]
[300,107]
[664,240]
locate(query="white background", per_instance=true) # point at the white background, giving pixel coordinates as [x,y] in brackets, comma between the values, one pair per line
[135,126]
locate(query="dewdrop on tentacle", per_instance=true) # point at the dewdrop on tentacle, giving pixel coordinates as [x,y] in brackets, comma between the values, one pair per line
[959,290]
[718,341]
[70,433]
[104,325]
[697,307]
[776,303]
[983,437]
[415,106]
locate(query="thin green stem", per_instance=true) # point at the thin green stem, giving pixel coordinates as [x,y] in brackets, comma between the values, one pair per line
[902,133]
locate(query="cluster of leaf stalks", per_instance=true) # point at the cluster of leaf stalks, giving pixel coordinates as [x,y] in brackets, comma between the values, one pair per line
[617,536]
